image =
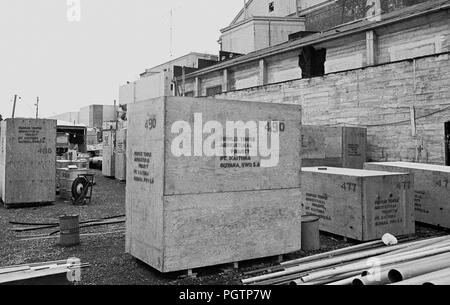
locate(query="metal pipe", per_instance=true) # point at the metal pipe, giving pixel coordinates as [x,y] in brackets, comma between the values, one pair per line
[327,281]
[414,246]
[416,249]
[324,263]
[372,279]
[352,249]
[442,281]
[413,269]
[330,254]
[426,278]
[381,262]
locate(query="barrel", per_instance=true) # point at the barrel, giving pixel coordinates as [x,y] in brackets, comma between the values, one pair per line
[310,233]
[66,178]
[82,163]
[69,226]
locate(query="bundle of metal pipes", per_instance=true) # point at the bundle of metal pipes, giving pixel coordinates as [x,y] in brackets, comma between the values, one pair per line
[405,263]
[64,271]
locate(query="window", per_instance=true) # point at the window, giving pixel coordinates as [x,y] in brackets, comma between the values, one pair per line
[271,7]
[211,91]
[312,62]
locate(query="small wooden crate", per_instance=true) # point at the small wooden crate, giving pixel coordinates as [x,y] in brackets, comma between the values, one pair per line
[334,146]
[27,161]
[431,189]
[186,212]
[121,155]
[108,162]
[359,204]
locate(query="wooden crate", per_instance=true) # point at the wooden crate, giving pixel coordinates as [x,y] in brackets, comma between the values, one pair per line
[359,204]
[121,155]
[27,161]
[334,146]
[431,189]
[108,162]
[194,211]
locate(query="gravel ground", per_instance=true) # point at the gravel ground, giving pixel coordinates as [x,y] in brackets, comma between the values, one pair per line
[105,253]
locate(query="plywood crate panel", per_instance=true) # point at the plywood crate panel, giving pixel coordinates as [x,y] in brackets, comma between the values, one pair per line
[108,162]
[121,155]
[334,146]
[189,212]
[28,161]
[359,204]
[431,189]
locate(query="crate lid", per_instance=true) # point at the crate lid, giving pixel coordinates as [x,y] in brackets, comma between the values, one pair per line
[411,165]
[349,172]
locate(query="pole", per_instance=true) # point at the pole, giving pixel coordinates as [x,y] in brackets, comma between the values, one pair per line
[37,107]
[14,106]
[116,118]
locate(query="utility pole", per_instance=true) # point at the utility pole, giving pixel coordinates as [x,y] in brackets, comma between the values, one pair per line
[14,106]
[37,107]
[171,33]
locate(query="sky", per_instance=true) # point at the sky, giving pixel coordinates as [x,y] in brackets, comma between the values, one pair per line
[74,53]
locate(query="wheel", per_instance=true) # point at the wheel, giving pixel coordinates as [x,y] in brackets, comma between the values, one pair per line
[79,189]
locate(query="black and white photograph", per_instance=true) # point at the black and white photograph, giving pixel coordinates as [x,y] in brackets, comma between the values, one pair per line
[226,150]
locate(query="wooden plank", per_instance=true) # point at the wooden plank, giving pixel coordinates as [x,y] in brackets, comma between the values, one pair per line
[28,161]
[210,229]
[359,204]
[431,189]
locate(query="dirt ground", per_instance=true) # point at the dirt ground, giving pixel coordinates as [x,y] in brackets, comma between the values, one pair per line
[110,265]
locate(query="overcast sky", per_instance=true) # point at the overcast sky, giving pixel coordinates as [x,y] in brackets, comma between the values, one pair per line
[74,64]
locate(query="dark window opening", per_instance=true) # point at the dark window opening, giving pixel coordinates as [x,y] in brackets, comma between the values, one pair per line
[189,94]
[211,91]
[271,7]
[312,62]
[447,143]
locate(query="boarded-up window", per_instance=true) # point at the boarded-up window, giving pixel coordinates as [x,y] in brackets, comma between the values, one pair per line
[211,91]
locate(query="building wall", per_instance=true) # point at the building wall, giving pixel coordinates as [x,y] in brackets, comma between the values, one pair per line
[240,39]
[72,117]
[85,116]
[259,33]
[271,33]
[376,97]
[421,36]
[189,60]
[109,112]
[343,11]
[412,38]
[283,8]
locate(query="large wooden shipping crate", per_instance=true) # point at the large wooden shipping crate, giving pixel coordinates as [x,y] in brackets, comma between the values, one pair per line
[108,162]
[359,204]
[27,161]
[334,146]
[188,209]
[121,155]
[431,189]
